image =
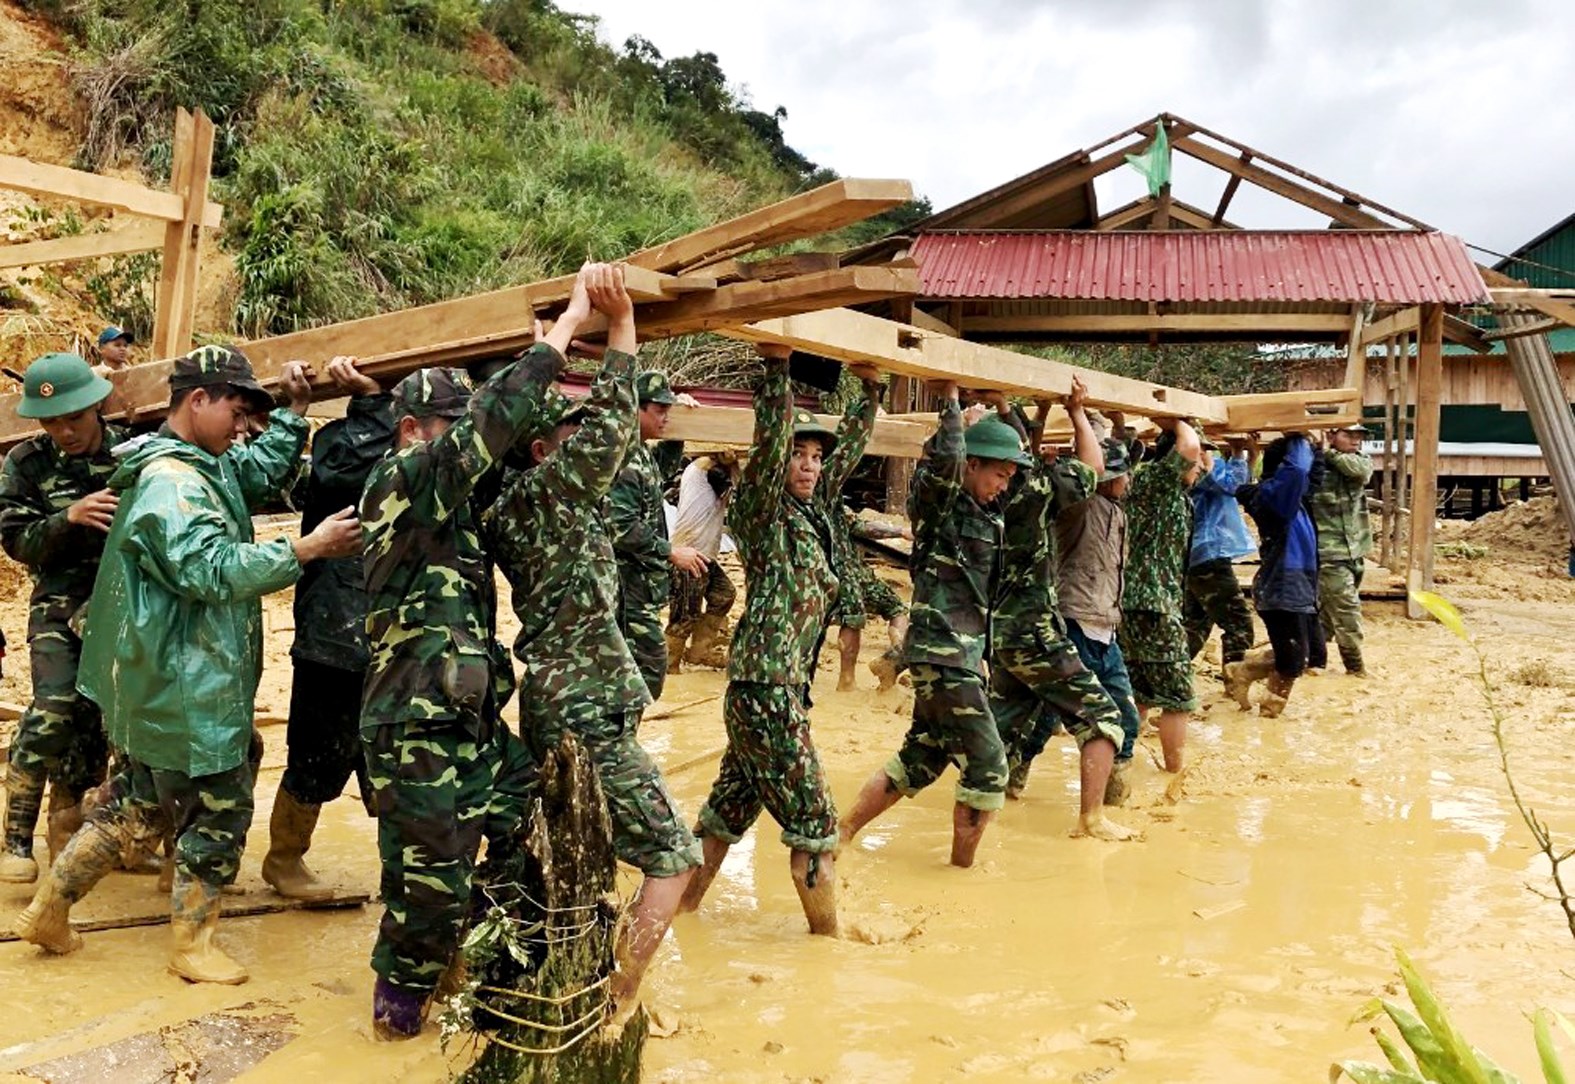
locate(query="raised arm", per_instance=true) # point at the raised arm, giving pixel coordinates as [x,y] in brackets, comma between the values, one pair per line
[762,486]
[853,435]
[1085,442]
[1283,491]
[1352,465]
[936,486]
[585,468]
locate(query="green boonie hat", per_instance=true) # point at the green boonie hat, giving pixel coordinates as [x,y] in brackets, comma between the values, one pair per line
[805,424]
[991,438]
[209,365]
[59,384]
[651,386]
[433,393]
[1117,461]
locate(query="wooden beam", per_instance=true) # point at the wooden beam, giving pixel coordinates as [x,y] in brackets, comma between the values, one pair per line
[1135,211]
[776,267]
[1538,327]
[38,179]
[1282,186]
[1292,411]
[809,214]
[1128,323]
[140,236]
[1464,332]
[1424,473]
[1562,311]
[1232,182]
[1356,352]
[1161,218]
[191,168]
[492,324]
[735,427]
[1390,326]
[921,319]
[902,348]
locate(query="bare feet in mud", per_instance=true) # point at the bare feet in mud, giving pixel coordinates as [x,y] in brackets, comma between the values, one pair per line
[1099,826]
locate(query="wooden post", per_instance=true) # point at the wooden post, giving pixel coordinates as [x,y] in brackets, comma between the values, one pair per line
[899,472]
[1424,486]
[1547,402]
[190,169]
[1403,451]
[1386,550]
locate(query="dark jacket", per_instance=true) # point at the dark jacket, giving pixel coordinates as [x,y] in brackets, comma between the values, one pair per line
[1288,577]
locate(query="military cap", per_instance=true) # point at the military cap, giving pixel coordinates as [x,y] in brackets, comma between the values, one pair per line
[59,384]
[555,409]
[806,425]
[1354,427]
[433,393]
[111,333]
[206,366]
[991,438]
[651,386]
[1117,462]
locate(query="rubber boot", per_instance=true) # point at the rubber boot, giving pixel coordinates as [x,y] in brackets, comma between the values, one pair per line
[1239,676]
[1116,787]
[65,818]
[194,918]
[677,645]
[24,794]
[397,1013]
[81,864]
[886,666]
[1017,778]
[708,644]
[289,838]
[1278,692]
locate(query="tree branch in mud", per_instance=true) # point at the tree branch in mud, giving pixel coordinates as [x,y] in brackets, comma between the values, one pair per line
[1450,618]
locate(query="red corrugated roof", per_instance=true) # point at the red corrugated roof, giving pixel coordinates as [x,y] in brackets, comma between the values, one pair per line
[1383,266]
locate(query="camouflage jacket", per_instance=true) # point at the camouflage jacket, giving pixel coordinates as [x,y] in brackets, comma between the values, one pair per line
[330,599]
[1159,525]
[785,546]
[1026,595]
[637,520]
[37,484]
[956,557]
[549,536]
[1339,507]
[853,436]
[432,608]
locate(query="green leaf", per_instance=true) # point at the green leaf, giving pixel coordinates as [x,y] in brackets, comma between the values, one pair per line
[1392,1051]
[1459,1065]
[1444,610]
[1552,1067]
[1370,1011]
[1430,1059]
[1563,1022]
[1367,1073]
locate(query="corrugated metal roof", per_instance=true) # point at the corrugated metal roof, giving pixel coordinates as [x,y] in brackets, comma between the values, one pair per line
[1399,267]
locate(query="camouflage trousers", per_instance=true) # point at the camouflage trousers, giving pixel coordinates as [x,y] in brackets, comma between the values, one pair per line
[1154,646]
[870,595]
[952,724]
[1340,608]
[1214,598]
[1024,681]
[61,734]
[208,814]
[647,832]
[770,764]
[691,596]
[438,793]
[640,621]
[323,737]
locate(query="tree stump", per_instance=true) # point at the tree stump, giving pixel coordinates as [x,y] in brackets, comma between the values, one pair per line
[541,956]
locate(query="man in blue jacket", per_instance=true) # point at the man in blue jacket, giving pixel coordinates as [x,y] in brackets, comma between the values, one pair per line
[1219,539]
[1285,590]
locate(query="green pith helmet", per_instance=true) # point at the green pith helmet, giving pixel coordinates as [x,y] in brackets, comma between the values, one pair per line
[806,425]
[59,384]
[991,438]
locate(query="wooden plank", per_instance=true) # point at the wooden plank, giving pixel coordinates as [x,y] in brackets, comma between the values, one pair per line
[1562,311]
[1232,182]
[735,427]
[1390,326]
[233,907]
[1424,485]
[902,348]
[775,267]
[166,307]
[1386,519]
[809,214]
[1524,295]
[1355,352]
[39,179]
[921,319]
[1537,327]
[1133,323]
[140,236]
[1161,217]
[1282,186]
[176,309]
[1292,410]
[492,324]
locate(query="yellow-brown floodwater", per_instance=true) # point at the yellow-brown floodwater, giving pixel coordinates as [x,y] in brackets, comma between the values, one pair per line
[1234,943]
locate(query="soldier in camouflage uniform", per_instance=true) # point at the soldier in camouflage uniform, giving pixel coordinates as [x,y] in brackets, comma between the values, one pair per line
[172,648]
[957,536]
[55,510]
[866,595]
[329,656]
[784,541]
[438,755]
[1339,512]
[1153,640]
[1033,664]
[638,522]
[549,537]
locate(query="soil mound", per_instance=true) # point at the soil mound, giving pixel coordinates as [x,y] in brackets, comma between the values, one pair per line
[1526,530]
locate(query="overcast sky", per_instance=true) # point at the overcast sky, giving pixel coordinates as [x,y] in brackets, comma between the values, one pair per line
[1458,112]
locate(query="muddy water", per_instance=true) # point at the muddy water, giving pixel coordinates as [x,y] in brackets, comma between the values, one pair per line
[1232,944]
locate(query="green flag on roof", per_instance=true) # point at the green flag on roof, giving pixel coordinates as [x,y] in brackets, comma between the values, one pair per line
[1154,163]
